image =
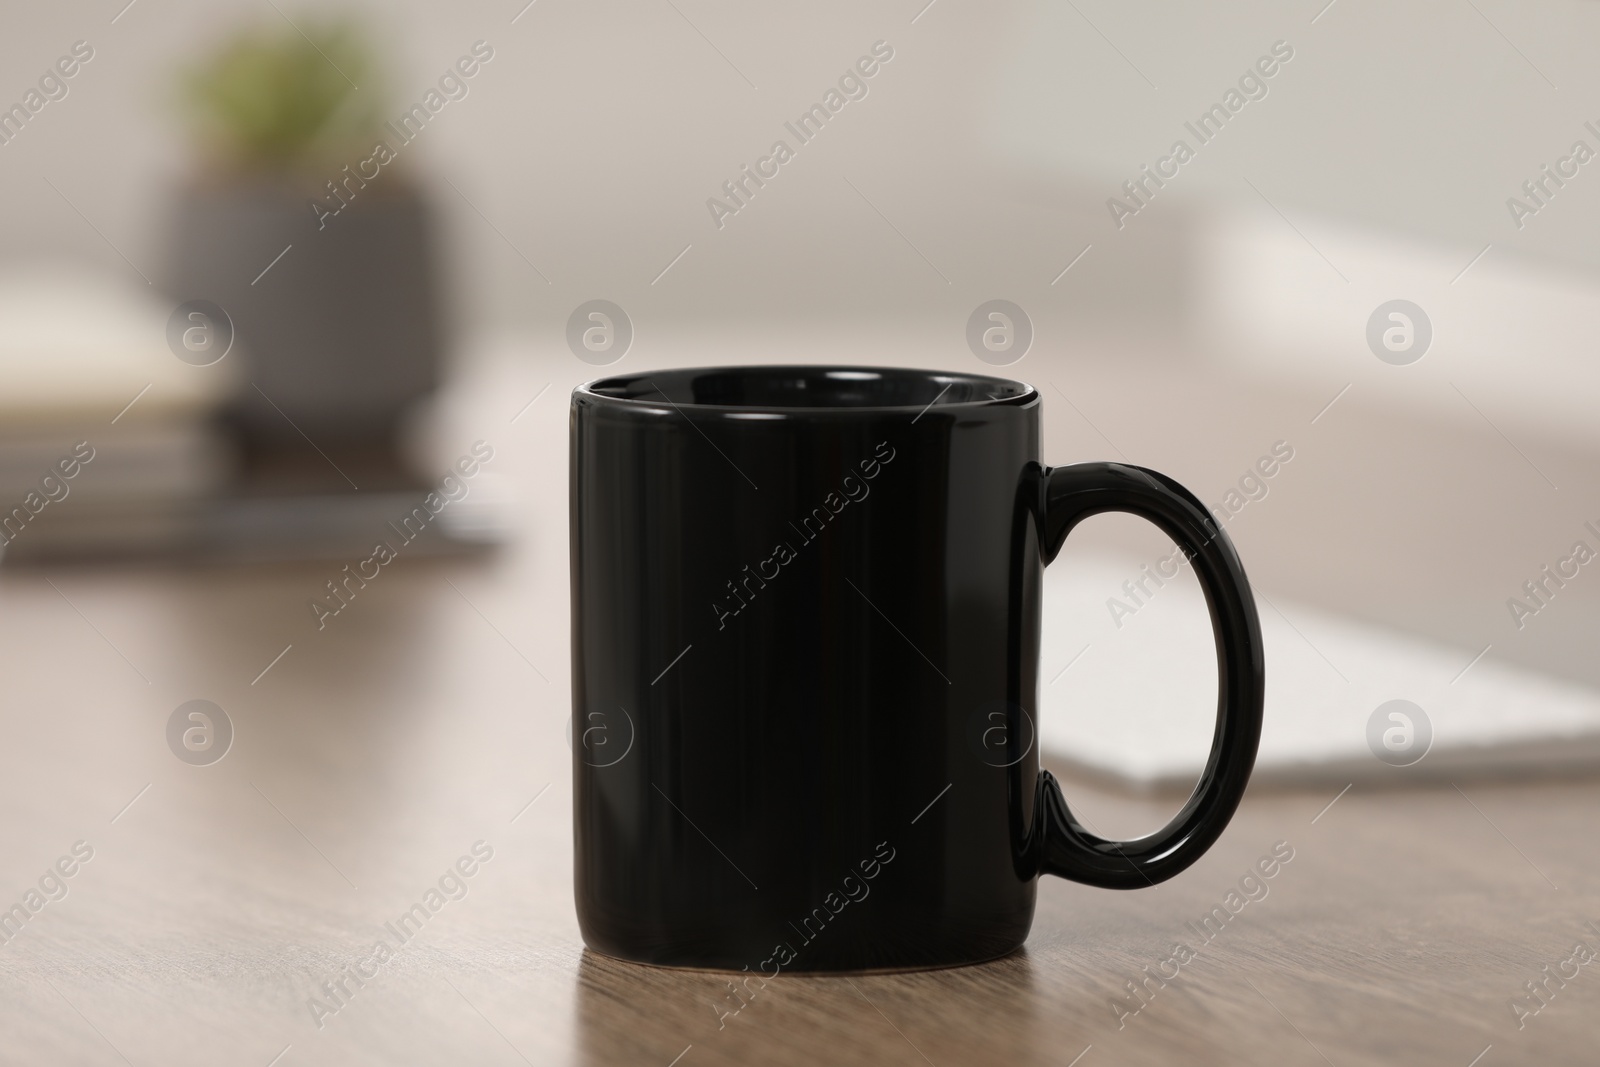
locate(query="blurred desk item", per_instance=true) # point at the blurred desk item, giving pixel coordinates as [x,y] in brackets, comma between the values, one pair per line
[347,334]
[98,419]
[1327,676]
[83,358]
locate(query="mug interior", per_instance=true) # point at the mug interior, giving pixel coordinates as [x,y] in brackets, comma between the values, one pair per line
[809,387]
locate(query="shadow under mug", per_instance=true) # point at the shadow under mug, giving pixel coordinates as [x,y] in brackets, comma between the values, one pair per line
[805,651]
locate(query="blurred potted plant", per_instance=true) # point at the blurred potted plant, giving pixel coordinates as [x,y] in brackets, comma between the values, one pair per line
[337,316]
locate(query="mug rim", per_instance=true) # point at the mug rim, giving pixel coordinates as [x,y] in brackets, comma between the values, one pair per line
[1024,395]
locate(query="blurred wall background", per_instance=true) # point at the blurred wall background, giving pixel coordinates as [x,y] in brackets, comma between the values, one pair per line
[992,139]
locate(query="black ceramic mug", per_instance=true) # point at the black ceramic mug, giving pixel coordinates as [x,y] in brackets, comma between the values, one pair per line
[805,652]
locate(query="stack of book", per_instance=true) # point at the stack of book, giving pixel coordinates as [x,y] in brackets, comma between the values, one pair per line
[119,437]
[108,441]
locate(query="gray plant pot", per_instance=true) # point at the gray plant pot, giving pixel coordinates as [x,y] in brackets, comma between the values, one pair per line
[341,333]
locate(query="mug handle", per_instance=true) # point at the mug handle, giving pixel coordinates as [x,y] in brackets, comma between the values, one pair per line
[1068,496]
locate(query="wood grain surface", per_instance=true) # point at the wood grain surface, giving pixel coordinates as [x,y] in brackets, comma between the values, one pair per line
[375,754]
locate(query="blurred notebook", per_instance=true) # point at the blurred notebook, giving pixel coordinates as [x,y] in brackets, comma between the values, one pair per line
[1137,706]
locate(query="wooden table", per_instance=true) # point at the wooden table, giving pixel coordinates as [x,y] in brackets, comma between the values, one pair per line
[431,714]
